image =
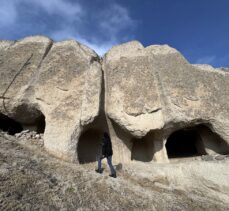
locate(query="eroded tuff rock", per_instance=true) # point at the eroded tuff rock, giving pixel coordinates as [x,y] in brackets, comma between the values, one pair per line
[19,64]
[153,91]
[148,98]
[61,81]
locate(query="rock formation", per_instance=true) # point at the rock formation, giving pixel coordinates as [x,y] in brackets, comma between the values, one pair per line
[154,104]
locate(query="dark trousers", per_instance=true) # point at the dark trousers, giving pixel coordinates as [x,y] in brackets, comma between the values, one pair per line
[109,162]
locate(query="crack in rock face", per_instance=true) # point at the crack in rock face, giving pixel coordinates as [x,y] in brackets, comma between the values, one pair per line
[152,102]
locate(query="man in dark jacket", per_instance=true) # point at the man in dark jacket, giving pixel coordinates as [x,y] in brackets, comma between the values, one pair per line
[107,152]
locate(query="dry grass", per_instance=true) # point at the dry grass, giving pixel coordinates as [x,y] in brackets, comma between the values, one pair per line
[32,180]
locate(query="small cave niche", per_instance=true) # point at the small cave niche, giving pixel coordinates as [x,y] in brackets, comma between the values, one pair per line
[38,125]
[213,143]
[9,125]
[89,146]
[31,118]
[185,143]
[142,148]
[195,141]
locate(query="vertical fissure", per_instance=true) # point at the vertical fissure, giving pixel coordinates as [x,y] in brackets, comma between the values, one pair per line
[12,81]
[37,73]
[89,144]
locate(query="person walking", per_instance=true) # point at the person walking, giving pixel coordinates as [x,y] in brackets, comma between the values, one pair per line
[107,153]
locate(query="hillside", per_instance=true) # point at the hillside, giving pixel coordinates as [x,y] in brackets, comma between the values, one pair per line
[32,180]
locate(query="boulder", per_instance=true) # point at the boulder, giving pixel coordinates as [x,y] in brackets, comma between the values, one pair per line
[152,92]
[55,86]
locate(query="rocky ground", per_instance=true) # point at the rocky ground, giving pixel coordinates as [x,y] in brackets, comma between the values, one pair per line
[32,180]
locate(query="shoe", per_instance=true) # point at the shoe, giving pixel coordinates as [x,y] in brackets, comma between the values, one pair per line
[99,171]
[113,175]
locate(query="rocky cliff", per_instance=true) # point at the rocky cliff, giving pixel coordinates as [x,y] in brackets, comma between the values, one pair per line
[148,98]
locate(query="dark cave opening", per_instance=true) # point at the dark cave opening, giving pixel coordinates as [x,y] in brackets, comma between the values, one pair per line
[142,148]
[30,117]
[37,125]
[9,125]
[89,146]
[40,122]
[24,117]
[184,143]
[139,151]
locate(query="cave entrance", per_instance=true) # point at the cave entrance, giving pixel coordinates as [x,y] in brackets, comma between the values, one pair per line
[40,122]
[184,143]
[24,117]
[37,124]
[142,148]
[89,146]
[30,117]
[9,125]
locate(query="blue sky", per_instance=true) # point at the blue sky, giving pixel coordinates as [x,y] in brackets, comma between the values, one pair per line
[199,29]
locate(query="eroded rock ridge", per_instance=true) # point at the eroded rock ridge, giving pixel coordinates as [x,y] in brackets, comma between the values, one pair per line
[152,101]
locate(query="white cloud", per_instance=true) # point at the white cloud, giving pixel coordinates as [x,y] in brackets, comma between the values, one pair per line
[206,60]
[98,30]
[9,10]
[115,18]
[214,61]
[98,47]
[111,22]
[58,7]
[8,13]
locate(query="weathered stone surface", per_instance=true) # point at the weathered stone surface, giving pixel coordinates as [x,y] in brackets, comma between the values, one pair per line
[4,44]
[61,81]
[19,63]
[142,96]
[133,99]
[155,88]
[62,90]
